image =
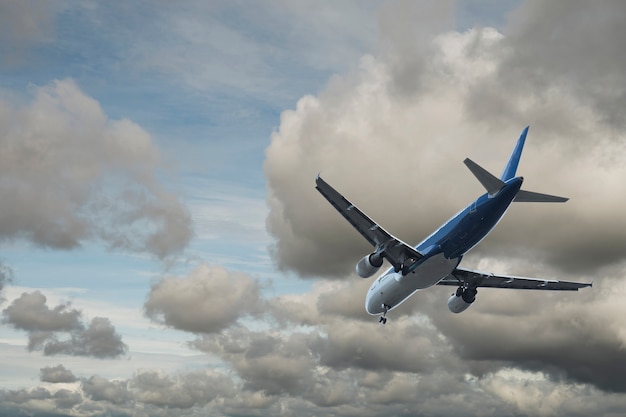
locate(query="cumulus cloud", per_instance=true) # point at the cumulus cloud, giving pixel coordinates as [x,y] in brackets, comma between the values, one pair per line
[182,390]
[208,300]
[66,400]
[57,374]
[572,44]
[98,388]
[72,174]
[99,340]
[573,337]
[31,313]
[391,150]
[396,152]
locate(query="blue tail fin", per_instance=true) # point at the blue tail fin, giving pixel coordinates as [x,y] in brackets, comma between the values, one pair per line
[511,166]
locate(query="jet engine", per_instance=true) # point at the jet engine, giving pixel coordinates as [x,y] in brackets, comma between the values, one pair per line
[461,300]
[369,265]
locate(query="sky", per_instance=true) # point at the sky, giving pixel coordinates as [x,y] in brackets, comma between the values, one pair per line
[163,250]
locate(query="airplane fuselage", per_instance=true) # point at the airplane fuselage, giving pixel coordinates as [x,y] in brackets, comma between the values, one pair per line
[443,250]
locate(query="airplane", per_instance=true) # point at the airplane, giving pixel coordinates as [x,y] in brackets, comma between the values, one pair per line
[435,261]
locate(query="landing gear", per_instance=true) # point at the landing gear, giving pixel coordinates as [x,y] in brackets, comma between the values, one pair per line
[383,318]
[468,294]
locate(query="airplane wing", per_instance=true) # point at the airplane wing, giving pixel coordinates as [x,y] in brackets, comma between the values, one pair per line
[398,253]
[476,279]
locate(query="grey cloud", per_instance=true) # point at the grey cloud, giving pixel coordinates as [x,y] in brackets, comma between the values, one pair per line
[573,338]
[558,335]
[30,312]
[449,390]
[66,399]
[405,45]
[323,366]
[268,363]
[57,374]
[71,174]
[22,396]
[572,43]
[407,347]
[99,340]
[324,302]
[219,298]
[358,123]
[101,389]
[180,391]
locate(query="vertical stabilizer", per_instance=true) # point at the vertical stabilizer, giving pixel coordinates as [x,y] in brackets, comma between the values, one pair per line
[511,166]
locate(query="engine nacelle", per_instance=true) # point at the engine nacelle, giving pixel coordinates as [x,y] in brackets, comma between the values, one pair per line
[461,300]
[369,265]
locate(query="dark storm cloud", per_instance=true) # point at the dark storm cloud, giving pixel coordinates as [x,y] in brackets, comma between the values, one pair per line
[208,300]
[57,374]
[31,313]
[71,174]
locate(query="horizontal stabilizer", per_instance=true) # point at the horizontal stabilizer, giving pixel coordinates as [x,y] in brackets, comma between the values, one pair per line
[530,197]
[491,183]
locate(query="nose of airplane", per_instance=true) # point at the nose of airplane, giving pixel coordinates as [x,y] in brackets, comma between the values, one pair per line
[373,306]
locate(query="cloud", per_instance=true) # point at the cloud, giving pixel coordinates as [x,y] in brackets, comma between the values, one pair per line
[549,42]
[57,374]
[99,340]
[182,390]
[487,82]
[98,388]
[71,174]
[208,300]
[572,337]
[232,46]
[23,25]
[66,399]
[30,312]
[396,153]
[6,276]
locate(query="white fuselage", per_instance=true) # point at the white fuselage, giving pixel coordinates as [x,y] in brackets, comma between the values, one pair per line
[391,288]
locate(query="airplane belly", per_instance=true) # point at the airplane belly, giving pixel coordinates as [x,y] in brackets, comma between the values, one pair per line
[392,288]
